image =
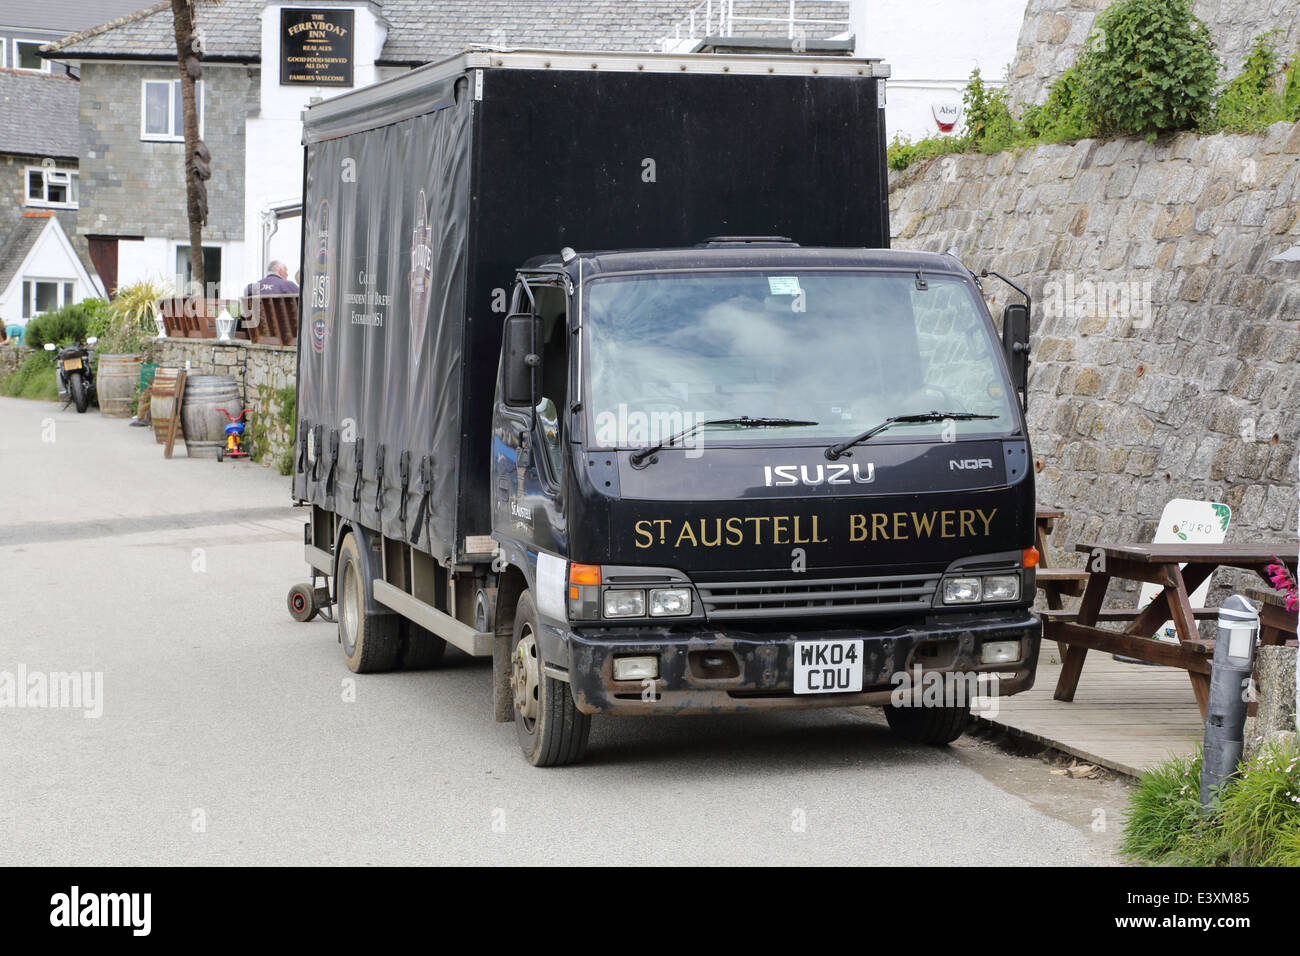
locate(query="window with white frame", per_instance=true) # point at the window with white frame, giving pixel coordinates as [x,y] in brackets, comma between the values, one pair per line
[161,116]
[46,295]
[27,56]
[47,186]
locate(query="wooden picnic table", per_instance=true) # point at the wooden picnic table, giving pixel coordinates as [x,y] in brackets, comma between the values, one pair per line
[1052,581]
[1179,569]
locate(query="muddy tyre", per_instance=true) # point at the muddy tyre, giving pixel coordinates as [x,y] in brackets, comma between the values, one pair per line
[551,730]
[371,642]
[928,725]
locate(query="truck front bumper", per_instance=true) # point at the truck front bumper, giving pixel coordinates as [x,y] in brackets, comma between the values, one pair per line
[716,671]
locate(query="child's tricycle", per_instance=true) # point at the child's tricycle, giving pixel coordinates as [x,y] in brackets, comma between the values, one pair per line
[234,436]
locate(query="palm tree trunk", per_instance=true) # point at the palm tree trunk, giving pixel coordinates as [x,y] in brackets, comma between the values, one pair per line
[188,52]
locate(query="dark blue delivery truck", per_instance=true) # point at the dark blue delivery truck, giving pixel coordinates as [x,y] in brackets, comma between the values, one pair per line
[606,372]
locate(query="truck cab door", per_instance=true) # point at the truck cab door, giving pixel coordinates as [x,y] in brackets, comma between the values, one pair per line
[528,447]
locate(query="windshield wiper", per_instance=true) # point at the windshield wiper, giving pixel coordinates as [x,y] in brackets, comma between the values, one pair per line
[744,421]
[836,450]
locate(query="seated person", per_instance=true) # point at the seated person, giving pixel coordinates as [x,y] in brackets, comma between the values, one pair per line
[277,282]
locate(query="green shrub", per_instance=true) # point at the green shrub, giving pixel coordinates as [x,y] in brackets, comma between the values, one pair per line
[284,462]
[34,378]
[1148,67]
[1287,852]
[287,398]
[65,326]
[902,152]
[990,127]
[1249,102]
[1253,821]
[1165,807]
[1261,806]
[1063,116]
[1291,90]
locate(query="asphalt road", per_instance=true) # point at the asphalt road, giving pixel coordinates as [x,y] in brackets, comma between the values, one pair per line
[227,736]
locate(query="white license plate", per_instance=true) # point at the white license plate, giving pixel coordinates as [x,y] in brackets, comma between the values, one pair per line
[827,667]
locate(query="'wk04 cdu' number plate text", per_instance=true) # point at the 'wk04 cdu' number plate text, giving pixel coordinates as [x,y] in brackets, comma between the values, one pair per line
[828,667]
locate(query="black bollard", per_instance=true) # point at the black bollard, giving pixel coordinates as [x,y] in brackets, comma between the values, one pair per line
[1234,658]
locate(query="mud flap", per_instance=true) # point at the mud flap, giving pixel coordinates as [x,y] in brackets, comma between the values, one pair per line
[503,697]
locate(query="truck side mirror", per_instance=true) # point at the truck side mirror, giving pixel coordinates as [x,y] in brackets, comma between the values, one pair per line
[1015,342]
[520,363]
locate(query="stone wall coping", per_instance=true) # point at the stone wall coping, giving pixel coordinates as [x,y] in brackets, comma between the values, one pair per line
[233,343]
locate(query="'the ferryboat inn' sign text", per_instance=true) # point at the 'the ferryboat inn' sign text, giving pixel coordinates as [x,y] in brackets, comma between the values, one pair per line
[316,47]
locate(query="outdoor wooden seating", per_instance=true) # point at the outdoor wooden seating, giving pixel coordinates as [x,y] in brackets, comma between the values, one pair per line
[1277,625]
[185,318]
[272,319]
[1179,570]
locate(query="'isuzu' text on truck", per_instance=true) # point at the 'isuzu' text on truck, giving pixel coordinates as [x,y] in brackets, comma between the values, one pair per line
[733,454]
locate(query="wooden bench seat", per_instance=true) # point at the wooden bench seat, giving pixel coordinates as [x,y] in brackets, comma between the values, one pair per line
[1200,613]
[1061,581]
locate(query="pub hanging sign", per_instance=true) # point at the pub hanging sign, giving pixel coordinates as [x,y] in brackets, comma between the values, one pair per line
[316,47]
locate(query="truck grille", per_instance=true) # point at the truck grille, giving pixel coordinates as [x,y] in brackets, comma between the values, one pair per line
[820,596]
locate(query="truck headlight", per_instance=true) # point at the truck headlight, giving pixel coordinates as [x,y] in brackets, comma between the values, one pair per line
[1001,587]
[670,602]
[625,603]
[961,590]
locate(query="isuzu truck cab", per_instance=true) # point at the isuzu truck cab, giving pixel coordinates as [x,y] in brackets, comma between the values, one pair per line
[781,478]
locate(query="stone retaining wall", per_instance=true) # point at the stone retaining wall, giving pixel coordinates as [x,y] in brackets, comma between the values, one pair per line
[263,374]
[1166,343]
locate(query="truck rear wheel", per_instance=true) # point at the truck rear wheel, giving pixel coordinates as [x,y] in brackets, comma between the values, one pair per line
[370,641]
[928,725]
[551,730]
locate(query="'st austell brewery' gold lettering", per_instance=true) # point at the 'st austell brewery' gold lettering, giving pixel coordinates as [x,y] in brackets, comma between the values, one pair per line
[760,530]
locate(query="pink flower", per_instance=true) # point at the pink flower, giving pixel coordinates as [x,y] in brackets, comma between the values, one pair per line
[1282,580]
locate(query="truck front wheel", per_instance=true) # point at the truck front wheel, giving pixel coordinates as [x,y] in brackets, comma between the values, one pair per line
[370,641]
[551,730]
[928,725]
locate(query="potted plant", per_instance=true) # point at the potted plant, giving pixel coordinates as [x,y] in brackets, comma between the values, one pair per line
[127,330]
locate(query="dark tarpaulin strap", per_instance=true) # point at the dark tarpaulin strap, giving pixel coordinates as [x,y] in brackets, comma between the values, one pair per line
[303,430]
[404,478]
[422,513]
[317,432]
[359,461]
[334,463]
[379,480]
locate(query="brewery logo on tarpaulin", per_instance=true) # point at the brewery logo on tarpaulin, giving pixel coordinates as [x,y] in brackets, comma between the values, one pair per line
[320,278]
[421,273]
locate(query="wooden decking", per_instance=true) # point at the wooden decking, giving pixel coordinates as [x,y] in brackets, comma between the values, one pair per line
[1124,716]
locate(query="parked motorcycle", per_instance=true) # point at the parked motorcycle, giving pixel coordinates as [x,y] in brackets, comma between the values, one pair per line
[75,378]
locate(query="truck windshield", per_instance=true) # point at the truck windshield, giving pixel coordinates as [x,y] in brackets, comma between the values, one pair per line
[845,350]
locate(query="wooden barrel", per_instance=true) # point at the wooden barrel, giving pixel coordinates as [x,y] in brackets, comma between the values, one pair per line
[115,384]
[205,427]
[161,406]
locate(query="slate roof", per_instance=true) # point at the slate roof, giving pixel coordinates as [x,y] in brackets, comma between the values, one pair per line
[62,16]
[424,30]
[19,243]
[39,114]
